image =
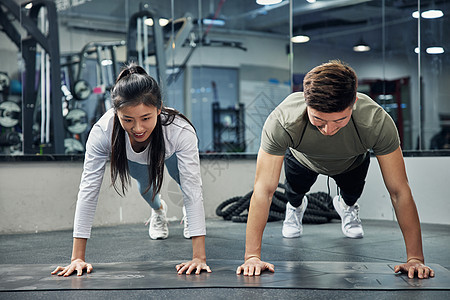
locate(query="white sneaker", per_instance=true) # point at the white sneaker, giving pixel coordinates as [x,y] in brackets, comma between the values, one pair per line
[351,223]
[159,227]
[186,233]
[292,224]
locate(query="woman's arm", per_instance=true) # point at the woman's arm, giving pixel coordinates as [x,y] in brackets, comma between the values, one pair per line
[97,153]
[188,163]
[78,260]
[198,262]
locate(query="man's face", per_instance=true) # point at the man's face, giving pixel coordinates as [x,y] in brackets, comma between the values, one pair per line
[329,123]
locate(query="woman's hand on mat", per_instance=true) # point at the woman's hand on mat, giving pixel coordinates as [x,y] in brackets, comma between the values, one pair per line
[76,265]
[415,266]
[195,264]
[254,266]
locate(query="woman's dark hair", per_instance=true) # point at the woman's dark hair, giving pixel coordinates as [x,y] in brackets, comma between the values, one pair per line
[330,87]
[134,87]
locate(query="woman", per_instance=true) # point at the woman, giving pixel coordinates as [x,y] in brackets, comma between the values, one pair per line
[139,135]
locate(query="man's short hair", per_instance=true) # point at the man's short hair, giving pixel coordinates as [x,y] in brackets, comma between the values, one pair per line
[330,87]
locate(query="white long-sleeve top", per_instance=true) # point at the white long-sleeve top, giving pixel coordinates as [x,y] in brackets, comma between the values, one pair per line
[180,139]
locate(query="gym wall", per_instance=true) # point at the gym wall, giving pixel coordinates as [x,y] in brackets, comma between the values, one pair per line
[41,196]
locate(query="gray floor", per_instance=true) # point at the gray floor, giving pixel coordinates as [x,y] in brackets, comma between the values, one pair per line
[382,244]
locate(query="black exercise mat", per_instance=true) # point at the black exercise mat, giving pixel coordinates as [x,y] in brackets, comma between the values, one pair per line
[162,275]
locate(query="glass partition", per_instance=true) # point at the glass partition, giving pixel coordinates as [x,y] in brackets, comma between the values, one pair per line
[434,71]
[224,64]
[11,69]
[381,41]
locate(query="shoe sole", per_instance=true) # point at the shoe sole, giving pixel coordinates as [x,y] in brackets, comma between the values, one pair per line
[354,237]
[359,236]
[158,238]
[292,236]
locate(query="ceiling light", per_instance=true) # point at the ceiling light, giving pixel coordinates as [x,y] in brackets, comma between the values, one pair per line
[429,14]
[432,14]
[148,22]
[311,1]
[162,22]
[361,46]
[268,2]
[431,50]
[107,62]
[298,39]
[435,50]
[29,5]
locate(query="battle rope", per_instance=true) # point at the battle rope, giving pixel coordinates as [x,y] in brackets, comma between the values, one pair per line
[320,208]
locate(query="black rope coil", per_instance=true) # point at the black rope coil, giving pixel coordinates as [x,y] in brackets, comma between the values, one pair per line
[319,210]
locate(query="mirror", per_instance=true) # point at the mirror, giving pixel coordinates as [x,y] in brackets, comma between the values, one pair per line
[379,39]
[223,64]
[434,91]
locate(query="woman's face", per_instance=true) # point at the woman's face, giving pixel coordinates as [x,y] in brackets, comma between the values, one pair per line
[138,121]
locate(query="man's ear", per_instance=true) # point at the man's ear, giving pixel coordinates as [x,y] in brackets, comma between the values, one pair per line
[356,99]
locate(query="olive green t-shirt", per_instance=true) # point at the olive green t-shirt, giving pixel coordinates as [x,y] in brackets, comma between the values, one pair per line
[370,128]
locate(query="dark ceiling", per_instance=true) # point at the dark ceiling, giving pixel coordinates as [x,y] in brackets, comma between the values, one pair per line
[327,21]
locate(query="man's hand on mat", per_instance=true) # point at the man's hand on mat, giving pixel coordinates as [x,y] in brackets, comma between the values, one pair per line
[195,264]
[76,265]
[254,266]
[415,266]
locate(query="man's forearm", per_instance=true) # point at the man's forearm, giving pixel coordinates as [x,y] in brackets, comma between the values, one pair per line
[256,222]
[408,220]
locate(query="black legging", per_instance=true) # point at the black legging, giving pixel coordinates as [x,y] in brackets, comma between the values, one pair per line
[299,180]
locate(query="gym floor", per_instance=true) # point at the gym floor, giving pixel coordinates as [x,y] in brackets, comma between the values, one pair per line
[321,264]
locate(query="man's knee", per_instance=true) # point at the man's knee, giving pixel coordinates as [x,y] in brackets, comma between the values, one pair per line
[352,194]
[295,198]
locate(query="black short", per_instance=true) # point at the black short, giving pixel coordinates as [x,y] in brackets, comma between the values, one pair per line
[299,180]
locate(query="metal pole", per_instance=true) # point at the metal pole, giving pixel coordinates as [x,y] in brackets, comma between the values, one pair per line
[139,40]
[187,92]
[47,98]
[42,80]
[145,54]
[419,75]
[291,49]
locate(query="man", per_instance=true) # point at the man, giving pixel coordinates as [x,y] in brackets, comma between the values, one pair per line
[329,129]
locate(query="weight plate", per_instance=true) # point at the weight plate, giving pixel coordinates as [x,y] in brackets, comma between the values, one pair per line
[76,121]
[9,114]
[81,90]
[10,138]
[73,146]
[4,82]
